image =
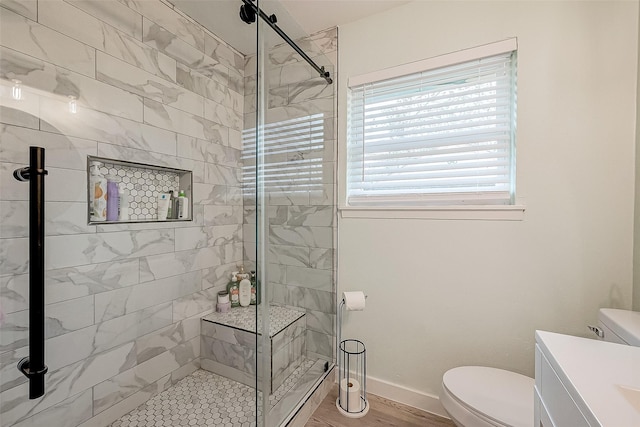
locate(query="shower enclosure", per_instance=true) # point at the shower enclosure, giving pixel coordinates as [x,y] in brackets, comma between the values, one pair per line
[295,208]
[165,103]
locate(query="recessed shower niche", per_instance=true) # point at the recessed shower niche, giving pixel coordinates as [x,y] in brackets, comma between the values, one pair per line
[143,186]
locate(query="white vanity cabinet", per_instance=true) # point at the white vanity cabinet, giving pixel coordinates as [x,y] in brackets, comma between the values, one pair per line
[585,382]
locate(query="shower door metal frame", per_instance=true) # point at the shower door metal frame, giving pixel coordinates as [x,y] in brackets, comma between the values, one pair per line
[33,366]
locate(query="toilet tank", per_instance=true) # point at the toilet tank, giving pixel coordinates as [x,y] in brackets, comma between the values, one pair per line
[620,326]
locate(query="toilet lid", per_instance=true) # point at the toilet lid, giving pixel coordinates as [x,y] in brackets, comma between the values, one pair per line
[503,396]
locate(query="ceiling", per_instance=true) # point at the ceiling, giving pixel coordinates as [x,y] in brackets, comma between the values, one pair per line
[297,18]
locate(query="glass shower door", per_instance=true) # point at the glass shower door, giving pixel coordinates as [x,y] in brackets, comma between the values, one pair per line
[289,157]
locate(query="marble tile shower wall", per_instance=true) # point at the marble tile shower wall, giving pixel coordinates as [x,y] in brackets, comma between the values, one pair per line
[123,301]
[301,208]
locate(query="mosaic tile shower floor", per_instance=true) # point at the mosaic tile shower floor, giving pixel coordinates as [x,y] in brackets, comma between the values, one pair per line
[205,399]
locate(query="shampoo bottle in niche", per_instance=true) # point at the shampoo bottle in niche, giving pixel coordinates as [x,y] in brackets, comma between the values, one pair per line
[163,206]
[233,290]
[98,190]
[170,211]
[112,199]
[183,206]
[123,206]
[174,204]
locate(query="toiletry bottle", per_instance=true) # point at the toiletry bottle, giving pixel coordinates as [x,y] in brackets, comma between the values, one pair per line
[233,290]
[174,204]
[112,199]
[223,304]
[170,211]
[244,292]
[223,297]
[163,206]
[183,206]
[98,190]
[123,207]
[255,297]
[177,205]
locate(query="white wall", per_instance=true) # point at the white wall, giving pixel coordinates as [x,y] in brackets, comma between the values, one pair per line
[447,293]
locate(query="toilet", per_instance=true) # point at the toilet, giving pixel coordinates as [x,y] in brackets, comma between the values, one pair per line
[478,396]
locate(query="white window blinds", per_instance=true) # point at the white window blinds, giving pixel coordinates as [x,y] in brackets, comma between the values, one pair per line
[293,152]
[441,136]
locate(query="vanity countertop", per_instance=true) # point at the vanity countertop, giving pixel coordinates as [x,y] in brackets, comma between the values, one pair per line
[602,378]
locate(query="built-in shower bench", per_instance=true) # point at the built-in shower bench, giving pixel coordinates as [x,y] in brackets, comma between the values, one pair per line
[228,343]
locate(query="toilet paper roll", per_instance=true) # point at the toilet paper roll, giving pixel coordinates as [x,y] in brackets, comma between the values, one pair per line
[350,395]
[354,300]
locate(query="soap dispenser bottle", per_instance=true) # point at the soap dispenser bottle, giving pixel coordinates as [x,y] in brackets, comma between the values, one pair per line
[233,290]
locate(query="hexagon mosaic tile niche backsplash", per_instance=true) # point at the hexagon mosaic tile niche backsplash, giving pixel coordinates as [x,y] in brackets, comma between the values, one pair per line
[143,186]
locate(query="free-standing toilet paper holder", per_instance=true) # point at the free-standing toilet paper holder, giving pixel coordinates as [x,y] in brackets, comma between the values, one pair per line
[352,366]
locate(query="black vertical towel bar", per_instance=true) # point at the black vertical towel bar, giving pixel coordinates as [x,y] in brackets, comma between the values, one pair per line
[33,366]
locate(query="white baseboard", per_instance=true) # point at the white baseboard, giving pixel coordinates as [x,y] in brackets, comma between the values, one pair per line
[417,399]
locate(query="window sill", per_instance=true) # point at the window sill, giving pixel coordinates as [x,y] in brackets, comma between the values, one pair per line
[483,213]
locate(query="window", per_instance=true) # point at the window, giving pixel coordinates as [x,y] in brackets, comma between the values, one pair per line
[435,132]
[293,151]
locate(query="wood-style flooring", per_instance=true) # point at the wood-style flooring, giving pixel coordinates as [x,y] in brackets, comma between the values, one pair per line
[382,413]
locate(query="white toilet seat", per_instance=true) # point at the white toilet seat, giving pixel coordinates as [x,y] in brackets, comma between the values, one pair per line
[460,415]
[478,396]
